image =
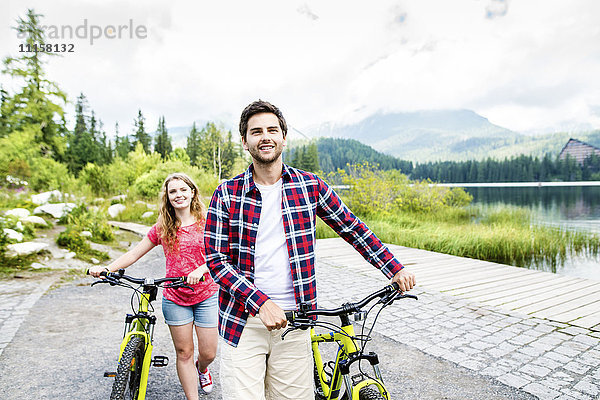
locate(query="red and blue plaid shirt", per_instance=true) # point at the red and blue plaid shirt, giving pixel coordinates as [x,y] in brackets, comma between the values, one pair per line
[230,237]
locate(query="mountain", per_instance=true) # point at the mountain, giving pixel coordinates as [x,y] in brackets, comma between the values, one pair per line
[425,135]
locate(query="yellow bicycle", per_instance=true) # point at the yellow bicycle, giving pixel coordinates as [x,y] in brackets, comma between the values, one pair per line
[329,375]
[135,355]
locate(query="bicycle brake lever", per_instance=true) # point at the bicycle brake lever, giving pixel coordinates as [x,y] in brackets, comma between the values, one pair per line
[406,296]
[108,280]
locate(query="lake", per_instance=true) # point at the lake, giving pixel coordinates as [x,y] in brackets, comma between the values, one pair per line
[570,207]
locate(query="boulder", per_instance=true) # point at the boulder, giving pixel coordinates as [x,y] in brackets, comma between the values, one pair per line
[115,210]
[86,234]
[94,260]
[147,214]
[57,210]
[120,197]
[32,219]
[43,198]
[18,212]
[70,255]
[13,235]
[26,248]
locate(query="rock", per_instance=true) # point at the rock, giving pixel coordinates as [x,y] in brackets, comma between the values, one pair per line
[32,219]
[45,197]
[56,210]
[115,210]
[13,235]
[18,212]
[120,197]
[147,214]
[86,233]
[94,260]
[36,265]
[26,248]
[19,226]
[70,255]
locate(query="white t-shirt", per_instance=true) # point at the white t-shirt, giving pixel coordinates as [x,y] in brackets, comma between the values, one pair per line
[272,271]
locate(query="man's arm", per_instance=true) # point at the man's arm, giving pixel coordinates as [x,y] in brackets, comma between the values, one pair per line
[334,213]
[218,260]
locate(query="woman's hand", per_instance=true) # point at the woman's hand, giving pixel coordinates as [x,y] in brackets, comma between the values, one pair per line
[96,270]
[196,275]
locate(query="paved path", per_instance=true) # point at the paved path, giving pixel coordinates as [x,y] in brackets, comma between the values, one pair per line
[437,347]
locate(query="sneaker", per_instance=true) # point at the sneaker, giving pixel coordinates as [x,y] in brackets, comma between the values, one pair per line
[206,382]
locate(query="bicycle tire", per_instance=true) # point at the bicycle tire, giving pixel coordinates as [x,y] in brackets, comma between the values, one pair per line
[369,393]
[129,371]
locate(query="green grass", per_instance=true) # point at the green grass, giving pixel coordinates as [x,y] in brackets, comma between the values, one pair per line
[504,235]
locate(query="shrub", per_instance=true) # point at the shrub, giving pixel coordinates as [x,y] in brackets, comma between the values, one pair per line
[375,192]
[97,179]
[149,184]
[82,218]
[72,240]
[48,174]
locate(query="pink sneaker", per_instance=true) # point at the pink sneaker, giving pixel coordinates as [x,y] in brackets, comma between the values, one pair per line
[206,382]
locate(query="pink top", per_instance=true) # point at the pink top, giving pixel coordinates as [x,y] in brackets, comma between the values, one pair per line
[180,263]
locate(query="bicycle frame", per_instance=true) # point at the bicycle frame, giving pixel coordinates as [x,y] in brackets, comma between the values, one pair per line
[141,324]
[346,355]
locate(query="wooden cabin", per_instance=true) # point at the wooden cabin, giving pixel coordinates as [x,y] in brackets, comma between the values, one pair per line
[578,150]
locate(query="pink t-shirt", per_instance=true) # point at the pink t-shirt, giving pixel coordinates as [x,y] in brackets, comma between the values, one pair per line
[180,263]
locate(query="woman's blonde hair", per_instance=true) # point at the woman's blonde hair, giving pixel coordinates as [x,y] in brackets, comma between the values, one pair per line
[168,223]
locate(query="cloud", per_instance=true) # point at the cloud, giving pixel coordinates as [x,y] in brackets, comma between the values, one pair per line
[322,61]
[305,10]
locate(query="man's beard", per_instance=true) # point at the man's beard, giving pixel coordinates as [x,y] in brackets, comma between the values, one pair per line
[265,160]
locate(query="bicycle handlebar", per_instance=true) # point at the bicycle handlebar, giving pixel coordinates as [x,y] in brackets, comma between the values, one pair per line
[120,274]
[389,292]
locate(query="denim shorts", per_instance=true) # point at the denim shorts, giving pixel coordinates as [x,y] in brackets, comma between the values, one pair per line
[204,314]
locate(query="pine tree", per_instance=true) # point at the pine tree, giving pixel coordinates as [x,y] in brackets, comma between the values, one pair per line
[38,105]
[163,144]
[122,145]
[82,147]
[140,134]
[311,158]
[192,148]
[4,126]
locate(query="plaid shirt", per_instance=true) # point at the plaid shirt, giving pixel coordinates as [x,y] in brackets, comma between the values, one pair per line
[230,237]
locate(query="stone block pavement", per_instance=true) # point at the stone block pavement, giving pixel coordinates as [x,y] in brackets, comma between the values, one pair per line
[16,299]
[547,359]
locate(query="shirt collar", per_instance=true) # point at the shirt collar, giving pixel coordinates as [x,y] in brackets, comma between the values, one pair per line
[249,181]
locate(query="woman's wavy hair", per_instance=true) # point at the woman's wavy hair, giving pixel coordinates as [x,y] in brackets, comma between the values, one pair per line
[168,223]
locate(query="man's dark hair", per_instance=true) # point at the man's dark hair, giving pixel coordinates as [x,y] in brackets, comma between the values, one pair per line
[259,107]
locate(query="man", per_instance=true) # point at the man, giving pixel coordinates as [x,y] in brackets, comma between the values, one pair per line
[259,239]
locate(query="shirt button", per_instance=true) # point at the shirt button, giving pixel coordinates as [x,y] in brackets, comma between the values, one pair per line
[255,224]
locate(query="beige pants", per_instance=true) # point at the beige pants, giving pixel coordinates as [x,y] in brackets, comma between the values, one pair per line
[264,367]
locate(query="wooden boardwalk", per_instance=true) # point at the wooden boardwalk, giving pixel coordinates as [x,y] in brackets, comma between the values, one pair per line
[574,301]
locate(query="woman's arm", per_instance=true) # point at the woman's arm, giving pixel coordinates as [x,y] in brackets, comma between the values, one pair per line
[124,261]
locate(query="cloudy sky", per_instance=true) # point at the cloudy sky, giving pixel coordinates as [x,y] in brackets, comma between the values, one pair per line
[526,65]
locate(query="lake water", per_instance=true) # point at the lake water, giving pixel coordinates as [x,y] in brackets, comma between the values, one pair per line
[570,207]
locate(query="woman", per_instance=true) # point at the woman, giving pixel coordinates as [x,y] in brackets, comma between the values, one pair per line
[180,229]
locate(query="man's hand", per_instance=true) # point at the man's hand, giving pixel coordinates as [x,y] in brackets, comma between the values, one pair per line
[196,275]
[272,316]
[405,279]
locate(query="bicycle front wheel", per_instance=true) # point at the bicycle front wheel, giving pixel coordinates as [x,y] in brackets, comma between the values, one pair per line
[370,393]
[129,371]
